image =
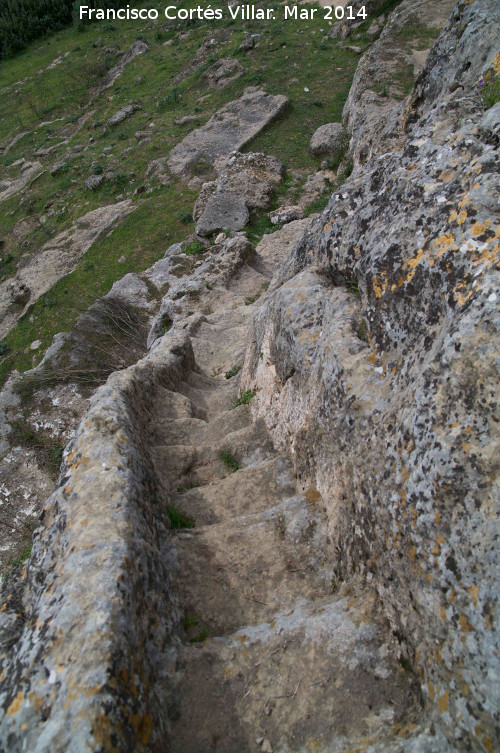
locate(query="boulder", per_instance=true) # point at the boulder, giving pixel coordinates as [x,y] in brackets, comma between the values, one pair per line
[247,44]
[94,182]
[286,214]
[330,140]
[223,72]
[121,115]
[57,167]
[244,184]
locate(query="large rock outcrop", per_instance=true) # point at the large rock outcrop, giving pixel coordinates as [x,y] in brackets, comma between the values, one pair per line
[385,74]
[375,360]
[207,148]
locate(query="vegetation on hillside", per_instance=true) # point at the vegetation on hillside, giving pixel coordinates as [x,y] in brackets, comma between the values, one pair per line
[21,21]
[53,109]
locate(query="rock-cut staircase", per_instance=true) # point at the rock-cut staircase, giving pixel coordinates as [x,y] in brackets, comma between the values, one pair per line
[274,656]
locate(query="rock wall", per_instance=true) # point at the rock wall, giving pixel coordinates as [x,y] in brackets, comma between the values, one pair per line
[375,361]
[374,358]
[84,624]
[372,113]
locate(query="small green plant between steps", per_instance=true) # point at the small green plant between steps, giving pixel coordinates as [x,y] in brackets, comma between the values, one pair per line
[251,299]
[178,519]
[245,398]
[229,461]
[232,372]
[195,632]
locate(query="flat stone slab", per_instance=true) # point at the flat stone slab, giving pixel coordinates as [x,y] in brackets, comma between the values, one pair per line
[230,129]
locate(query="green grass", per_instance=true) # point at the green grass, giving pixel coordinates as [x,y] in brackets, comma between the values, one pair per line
[192,625]
[195,248]
[318,204]
[178,519]
[489,92]
[21,559]
[232,372]
[252,298]
[229,461]
[64,92]
[245,398]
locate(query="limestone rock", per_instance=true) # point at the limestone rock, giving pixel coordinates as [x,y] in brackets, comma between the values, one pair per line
[381,332]
[157,170]
[121,115]
[329,140]
[247,44]
[228,130]
[57,167]
[286,214]
[58,257]
[27,173]
[223,72]
[94,182]
[372,113]
[315,186]
[138,48]
[244,184]
[186,119]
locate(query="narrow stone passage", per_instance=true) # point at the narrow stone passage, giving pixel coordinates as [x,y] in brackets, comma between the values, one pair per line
[273,656]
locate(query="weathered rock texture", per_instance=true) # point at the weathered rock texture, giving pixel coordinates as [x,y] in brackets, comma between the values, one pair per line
[139,48]
[244,184]
[386,72]
[223,72]
[375,361]
[98,614]
[329,140]
[345,573]
[27,173]
[231,128]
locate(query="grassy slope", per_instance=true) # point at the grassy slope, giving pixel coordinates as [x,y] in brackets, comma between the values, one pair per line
[288,58]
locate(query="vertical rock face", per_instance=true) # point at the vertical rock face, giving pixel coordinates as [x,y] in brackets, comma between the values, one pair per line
[385,74]
[375,359]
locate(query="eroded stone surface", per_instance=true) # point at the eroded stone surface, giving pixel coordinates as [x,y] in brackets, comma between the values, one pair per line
[375,362]
[228,130]
[244,184]
[372,113]
[343,589]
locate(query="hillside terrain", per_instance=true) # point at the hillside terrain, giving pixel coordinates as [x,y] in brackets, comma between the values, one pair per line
[249,417]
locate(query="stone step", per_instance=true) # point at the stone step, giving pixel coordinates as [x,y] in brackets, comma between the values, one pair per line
[244,569]
[171,406]
[197,431]
[203,462]
[304,681]
[250,490]
[210,395]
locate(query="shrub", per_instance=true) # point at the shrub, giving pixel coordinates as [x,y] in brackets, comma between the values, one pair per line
[489,90]
[232,372]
